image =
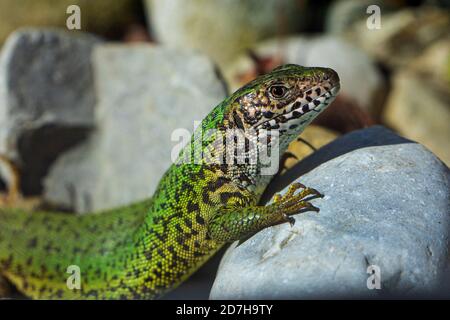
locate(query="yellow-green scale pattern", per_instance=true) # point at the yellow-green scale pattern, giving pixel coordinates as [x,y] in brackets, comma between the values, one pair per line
[143,250]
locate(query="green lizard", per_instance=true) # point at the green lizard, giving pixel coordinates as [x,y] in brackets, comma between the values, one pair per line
[143,250]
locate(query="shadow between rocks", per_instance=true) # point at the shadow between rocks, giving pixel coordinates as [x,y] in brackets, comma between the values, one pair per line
[39,148]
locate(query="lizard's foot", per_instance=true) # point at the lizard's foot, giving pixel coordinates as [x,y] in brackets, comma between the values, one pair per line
[236,223]
[292,203]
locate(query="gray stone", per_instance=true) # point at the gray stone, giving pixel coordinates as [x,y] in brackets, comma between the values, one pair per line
[222,28]
[386,204]
[46,98]
[144,93]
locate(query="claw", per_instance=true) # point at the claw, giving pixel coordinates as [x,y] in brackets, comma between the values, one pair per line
[298,185]
[315,192]
[312,207]
[289,219]
[292,203]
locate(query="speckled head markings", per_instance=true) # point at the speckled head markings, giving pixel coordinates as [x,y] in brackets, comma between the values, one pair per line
[285,100]
[143,250]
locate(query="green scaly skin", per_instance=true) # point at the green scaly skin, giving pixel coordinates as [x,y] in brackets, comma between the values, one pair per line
[143,250]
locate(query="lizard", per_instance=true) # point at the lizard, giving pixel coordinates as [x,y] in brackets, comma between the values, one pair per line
[145,249]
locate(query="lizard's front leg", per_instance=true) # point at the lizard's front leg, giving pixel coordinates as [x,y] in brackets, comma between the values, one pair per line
[232,223]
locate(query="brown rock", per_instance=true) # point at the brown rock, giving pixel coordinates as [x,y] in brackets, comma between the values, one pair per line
[403,35]
[313,138]
[420,111]
[100,16]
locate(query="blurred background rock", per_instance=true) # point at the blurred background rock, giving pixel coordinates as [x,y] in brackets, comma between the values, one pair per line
[107,18]
[74,108]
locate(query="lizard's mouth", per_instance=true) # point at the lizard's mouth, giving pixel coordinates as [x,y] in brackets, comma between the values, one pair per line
[301,111]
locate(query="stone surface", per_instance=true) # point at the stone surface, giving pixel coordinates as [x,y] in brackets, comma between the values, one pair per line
[386,204]
[360,79]
[420,110]
[46,98]
[222,28]
[99,16]
[144,93]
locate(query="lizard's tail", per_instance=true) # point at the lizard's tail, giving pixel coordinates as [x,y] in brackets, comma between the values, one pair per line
[33,250]
[38,249]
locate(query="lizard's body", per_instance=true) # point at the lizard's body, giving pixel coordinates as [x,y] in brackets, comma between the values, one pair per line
[145,249]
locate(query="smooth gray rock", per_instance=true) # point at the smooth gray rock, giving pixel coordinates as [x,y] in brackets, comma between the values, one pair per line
[386,203]
[144,93]
[46,98]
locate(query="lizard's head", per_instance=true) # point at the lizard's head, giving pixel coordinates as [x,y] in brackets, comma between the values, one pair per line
[282,102]
[286,99]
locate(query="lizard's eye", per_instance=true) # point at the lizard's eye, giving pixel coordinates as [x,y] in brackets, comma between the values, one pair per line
[278,91]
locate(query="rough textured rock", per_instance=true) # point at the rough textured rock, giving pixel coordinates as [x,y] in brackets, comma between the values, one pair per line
[360,79]
[99,16]
[386,204]
[46,98]
[420,110]
[144,93]
[229,26]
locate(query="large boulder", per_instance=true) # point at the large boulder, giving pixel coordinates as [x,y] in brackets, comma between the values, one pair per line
[144,93]
[386,210]
[46,98]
